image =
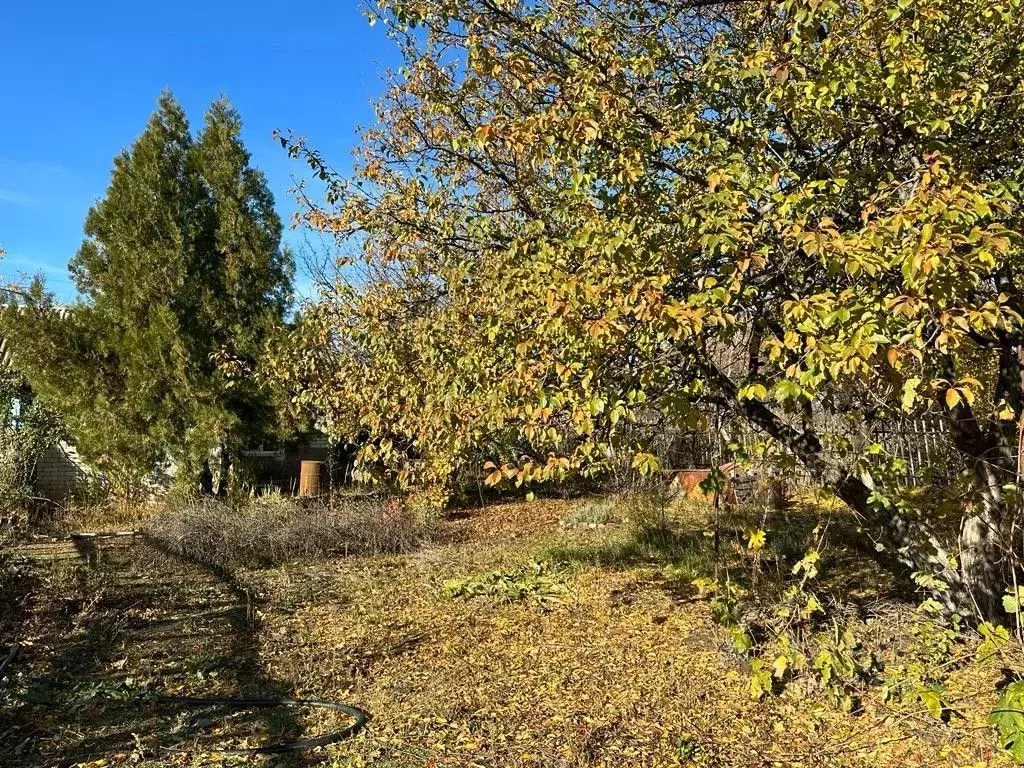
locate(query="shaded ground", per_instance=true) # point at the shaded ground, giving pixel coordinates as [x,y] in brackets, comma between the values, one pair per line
[625,667]
[113,624]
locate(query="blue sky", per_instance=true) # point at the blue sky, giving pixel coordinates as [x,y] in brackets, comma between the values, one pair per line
[79,80]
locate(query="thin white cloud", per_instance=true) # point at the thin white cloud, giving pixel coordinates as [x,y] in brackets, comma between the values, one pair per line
[36,168]
[31,182]
[15,198]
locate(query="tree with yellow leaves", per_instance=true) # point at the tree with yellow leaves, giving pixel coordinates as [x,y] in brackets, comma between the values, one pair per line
[570,209]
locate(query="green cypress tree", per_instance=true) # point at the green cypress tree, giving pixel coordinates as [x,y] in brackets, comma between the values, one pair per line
[182,278]
[250,280]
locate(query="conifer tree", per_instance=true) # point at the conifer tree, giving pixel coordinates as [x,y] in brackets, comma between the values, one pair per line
[250,281]
[181,279]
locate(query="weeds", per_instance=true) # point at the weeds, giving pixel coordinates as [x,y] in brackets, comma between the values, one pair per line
[653,534]
[1006,717]
[98,512]
[646,509]
[533,675]
[535,582]
[592,513]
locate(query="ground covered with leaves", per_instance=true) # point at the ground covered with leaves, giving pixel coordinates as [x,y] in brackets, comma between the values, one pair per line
[541,634]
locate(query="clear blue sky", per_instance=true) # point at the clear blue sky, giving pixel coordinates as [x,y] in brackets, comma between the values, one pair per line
[78,81]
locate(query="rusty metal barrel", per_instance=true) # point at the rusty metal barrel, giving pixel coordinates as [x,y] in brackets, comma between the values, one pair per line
[309,478]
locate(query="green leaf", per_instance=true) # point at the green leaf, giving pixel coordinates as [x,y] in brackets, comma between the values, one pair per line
[1011,604]
[760,679]
[753,392]
[742,641]
[931,697]
[787,390]
[646,463]
[994,637]
[1008,718]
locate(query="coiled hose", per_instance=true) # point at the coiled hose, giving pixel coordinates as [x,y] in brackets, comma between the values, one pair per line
[361,719]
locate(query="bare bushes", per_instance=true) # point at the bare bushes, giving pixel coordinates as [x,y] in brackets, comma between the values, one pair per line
[271,529]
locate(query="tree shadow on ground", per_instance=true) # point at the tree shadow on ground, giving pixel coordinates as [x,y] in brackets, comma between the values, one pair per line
[116,632]
[686,550]
[850,570]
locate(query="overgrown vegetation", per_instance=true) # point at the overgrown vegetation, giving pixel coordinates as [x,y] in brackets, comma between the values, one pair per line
[268,530]
[581,227]
[27,428]
[534,582]
[592,513]
[801,218]
[493,646]
[182,280]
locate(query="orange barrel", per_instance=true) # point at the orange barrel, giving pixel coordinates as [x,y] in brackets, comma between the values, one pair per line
[309,478]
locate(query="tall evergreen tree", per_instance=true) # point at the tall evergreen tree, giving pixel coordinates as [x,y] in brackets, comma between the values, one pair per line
[182,278]
[249,286]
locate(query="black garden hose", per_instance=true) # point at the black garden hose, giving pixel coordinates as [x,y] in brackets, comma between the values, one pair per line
[361,719]
[360,716]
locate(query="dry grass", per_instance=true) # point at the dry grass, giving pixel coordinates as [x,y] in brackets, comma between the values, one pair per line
[272,529]
[629,669]
[103,513]
[625,668]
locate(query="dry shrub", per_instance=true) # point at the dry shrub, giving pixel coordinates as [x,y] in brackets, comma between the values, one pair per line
[272,529]
[93,514]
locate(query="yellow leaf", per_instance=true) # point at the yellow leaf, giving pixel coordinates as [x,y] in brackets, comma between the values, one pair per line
[779,667]
[755,540]
[952,398]
[967,394]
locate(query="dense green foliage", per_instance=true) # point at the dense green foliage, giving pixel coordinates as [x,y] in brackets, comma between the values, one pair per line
[575,216]
[182,280]
[27,428]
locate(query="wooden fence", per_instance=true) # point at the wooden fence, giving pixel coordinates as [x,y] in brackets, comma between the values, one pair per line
[921,441]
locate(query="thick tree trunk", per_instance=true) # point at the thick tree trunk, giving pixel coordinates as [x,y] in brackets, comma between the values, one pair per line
[908,540]
[206,479]
[981,560]
[993,450]
[225,472]
[976,579]
[983,545]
